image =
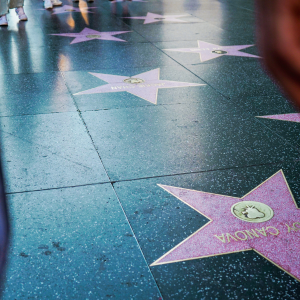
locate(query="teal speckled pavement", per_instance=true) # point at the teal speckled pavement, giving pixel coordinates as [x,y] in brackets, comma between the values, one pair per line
[146,155]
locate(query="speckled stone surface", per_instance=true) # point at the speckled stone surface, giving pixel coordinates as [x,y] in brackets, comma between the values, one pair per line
[74,243]
[175,139]
[48,151]
[41,93]
[102,102]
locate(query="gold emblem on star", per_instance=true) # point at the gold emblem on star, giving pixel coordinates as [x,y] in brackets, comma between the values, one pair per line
[93,36]
[70,9]
[133,80]
[219,51]
[252,211]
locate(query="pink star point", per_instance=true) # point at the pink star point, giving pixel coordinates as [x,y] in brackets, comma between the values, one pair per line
[294,117]
[275,239]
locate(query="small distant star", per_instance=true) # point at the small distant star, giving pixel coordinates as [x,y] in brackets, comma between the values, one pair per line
[152,18]
[208,51]
[88,34]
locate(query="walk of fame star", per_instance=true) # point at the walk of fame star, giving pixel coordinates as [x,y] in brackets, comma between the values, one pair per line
[152,18]
[295,117]
[69,8]
[144,85]
[88,34]
[208,51]
[266,220]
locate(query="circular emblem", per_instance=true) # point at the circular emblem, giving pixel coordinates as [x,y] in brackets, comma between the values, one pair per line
[219,51]
[93,36]
[133,80]
[252,211]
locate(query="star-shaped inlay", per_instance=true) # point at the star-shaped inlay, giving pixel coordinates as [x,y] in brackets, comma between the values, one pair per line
[88,34]
[68,8]
[144,85]
[266,220]
[208,51]
[152,18]
[295,117]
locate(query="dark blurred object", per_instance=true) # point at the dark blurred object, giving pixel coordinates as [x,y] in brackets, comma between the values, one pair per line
[278,38]
[4,226]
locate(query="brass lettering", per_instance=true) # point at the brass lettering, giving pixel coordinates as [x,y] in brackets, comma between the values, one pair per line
[228,235]
[262,231]
[294,225]
[251,233]
[289,228]
[276,230]
[221,238]
[150,85]
[244,234]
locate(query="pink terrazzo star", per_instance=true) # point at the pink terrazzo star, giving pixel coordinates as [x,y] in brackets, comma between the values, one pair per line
[277,239]
[285,117]
[208,51]
[152,18]
[88,34]
[144,85]
[69,8]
